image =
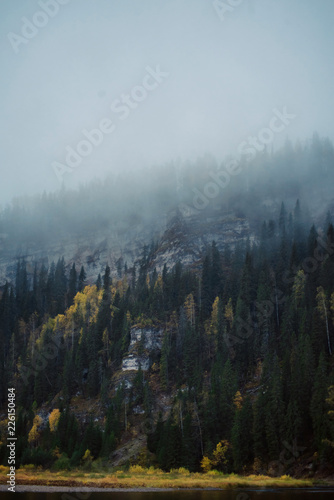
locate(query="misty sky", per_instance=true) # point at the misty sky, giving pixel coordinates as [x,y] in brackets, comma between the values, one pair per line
[225,76]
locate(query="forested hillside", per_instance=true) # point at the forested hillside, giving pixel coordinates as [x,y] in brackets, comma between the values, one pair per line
[167,248]
[245,366]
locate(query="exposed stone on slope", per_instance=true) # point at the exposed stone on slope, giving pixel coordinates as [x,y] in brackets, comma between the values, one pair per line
[185,237]
[143,342]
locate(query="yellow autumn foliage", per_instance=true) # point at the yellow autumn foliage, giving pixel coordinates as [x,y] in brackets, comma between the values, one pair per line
[189,307]
[86,303]
[87,456]
[54,419]
[206,464]
[34,433]
[237,400]
[229,316]
[219,454]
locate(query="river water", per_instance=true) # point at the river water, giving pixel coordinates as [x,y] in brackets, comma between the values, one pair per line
[269,494]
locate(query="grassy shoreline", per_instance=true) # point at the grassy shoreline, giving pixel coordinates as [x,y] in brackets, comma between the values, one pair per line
[154,479]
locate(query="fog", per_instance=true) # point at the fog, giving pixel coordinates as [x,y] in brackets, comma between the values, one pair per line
[202,78]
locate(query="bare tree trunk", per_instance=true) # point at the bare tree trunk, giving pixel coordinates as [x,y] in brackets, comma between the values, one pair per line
[327,329]
[181,417]
[199,426]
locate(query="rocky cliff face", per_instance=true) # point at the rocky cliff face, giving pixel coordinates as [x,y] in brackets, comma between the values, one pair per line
[117,246]
[188,236]
[182,235]
[144,343]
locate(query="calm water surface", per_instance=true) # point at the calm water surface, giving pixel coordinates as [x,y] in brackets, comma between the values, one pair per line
[181,495]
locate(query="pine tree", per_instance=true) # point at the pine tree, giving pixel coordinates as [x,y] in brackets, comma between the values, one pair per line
[206,291]
[93,382]
[22,289]
[282,220]
[216,273]
[67,377]
[103,321]
[274,410]
[243,330]
[82,279]
[72,285]
[99,282]
[299,231]
[322,308]
[241,435]
[318,402]
[259,422]
[60,287]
